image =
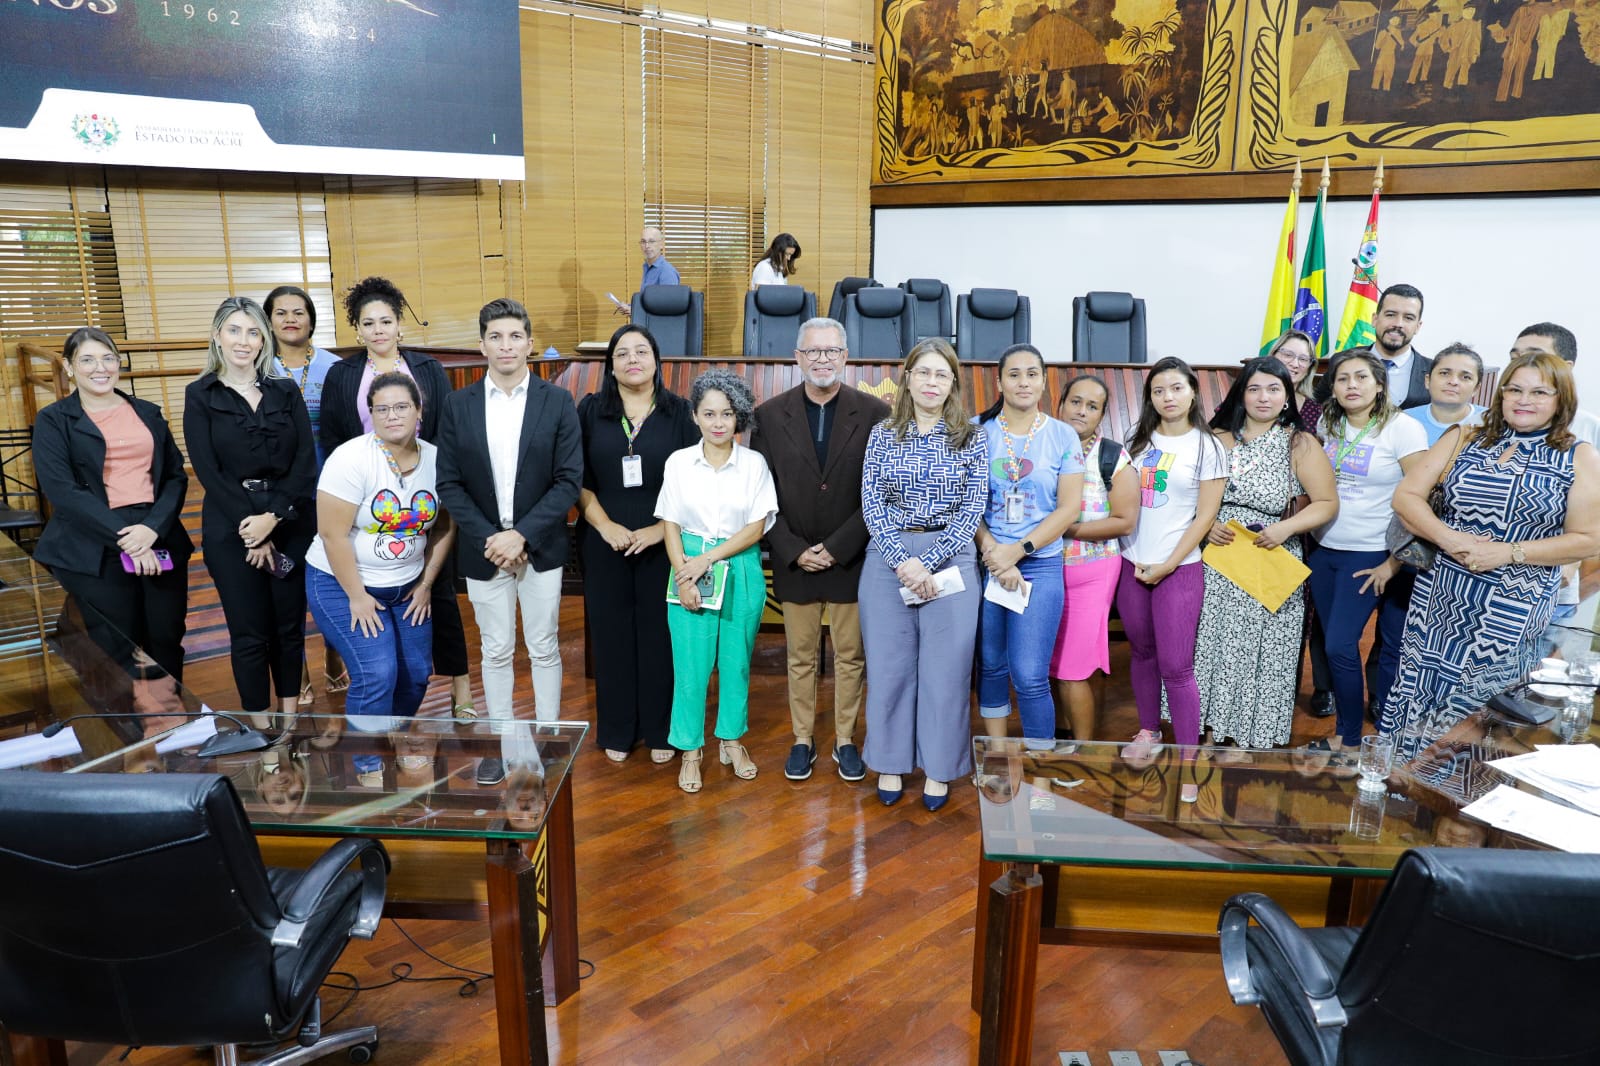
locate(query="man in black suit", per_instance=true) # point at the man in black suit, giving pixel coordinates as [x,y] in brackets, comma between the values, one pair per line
[510,465]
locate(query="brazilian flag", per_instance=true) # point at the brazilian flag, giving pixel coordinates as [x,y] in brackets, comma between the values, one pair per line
[1311,300]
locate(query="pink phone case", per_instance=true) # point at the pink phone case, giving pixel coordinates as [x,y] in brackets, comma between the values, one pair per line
[162,557]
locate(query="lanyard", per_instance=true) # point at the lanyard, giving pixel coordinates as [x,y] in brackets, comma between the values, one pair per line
[631,429]
[1012,467]
[388,457]
[1346,447]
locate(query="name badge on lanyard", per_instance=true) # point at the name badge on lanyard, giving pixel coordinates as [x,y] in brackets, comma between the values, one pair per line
[1014,505]
[632,471]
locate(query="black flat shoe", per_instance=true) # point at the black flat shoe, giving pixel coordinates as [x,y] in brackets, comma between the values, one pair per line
[1321,704]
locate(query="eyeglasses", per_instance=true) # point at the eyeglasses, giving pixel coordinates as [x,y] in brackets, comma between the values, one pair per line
[943,377]
[820,354]
[89,362]
[1292,359]
[399,410]
[1517,392]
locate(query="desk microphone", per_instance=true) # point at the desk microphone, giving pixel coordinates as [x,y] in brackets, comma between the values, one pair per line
[246,739]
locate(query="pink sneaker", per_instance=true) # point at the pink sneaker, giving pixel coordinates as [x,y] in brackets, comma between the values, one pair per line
[1142,750]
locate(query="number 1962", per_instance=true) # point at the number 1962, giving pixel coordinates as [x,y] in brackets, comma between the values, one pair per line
[189,11]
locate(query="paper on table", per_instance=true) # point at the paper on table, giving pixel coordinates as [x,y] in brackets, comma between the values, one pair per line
[1538,819]
[34,748]
[1016,601]
[1567,772]
[949,582]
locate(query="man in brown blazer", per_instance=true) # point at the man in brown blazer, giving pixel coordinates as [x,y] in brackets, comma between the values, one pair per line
[814,438]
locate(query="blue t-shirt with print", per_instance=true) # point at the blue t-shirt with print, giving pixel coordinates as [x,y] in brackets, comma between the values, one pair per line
[1055,449]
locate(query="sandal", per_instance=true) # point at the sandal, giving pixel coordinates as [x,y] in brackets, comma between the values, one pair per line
[466,712]
[661,756]
[689,772]
[307,696]
[735,753]
[611,753]
[338,682]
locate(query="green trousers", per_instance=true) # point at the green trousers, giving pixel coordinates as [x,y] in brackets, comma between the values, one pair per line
[724,639]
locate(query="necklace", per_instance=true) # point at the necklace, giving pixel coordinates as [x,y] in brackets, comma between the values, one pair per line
[388,457]
[1012,466]
[305,371]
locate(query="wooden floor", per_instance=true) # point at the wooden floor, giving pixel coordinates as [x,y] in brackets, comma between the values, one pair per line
[773,922]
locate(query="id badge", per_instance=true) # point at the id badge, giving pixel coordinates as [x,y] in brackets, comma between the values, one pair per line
[1014,506]
[632,471]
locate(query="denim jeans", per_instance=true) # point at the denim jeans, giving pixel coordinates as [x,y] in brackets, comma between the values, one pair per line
[1015,650]
[388,671]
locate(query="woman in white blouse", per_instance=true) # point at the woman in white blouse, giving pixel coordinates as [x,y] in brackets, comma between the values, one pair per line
[777,264]
[717,499]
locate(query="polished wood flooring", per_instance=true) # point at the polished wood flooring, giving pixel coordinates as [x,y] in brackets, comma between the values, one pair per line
[772,922]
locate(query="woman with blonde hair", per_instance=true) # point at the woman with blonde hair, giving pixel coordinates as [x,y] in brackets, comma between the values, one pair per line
[1521,499]
[923,489]
[1296,350]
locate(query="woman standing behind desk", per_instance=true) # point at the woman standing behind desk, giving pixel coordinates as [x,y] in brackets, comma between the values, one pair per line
[373,306]
[114,477]
[251,445]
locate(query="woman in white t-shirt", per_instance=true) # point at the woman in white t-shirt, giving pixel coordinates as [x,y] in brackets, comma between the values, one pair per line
[371,569]
[777,264]
[1182,470]
[1371,445]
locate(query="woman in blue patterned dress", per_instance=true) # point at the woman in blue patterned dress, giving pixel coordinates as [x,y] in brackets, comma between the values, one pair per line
[1522,498]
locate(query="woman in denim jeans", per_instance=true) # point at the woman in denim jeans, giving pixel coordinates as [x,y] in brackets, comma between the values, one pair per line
[370,572]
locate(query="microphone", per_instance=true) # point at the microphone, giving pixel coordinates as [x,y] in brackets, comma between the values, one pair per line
[247,739]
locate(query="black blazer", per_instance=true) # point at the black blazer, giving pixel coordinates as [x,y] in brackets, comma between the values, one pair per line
[341,407]
[69,457]
[816,505]
[229,443]
[549,474]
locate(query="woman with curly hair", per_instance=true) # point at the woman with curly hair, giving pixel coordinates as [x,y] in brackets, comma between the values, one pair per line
[717,499]
[374,306]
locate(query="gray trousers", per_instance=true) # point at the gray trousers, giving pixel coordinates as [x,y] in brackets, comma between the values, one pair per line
[919,669]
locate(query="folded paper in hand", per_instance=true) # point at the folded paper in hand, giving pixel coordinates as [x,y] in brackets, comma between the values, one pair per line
[1268,575]
[1017,601]
[949,582]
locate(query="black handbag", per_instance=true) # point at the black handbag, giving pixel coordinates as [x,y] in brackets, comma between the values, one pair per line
[1406,546]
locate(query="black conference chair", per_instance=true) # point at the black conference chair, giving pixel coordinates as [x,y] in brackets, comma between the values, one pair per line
[847,287]
[773,315]
[932,313]
[988,321]
[675,315]
[1472,957]
[877,323]
[1108,327]
[135,909]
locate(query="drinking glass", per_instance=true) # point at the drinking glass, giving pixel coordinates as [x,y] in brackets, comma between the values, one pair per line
[1377,752]
[999,767]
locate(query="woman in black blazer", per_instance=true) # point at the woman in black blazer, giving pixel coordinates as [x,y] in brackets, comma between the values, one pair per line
[373,306]
[115,541]
[250,441]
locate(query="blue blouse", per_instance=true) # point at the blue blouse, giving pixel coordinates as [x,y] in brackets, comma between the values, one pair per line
[923,481]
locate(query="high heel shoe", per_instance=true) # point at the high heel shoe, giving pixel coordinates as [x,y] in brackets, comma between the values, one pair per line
[743,766]
[890,789]
[935,794]
[616,756]
[689,772]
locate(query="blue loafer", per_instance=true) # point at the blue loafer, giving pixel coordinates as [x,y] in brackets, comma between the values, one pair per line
[801,758]
[851,768]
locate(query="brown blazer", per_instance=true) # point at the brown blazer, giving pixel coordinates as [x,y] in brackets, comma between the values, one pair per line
[816,506]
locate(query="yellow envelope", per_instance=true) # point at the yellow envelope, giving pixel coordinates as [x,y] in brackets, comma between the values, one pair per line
[1268,575]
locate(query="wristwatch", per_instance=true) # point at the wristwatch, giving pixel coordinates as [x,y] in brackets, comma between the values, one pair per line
[1027,547]
[1517,554]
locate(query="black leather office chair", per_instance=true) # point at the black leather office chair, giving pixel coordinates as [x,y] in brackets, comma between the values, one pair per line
[773,315]
[931,307]
[135,909]
[1108,327]
[847,287]
[1472,957]
[675,315]
[988,321]
[877,323]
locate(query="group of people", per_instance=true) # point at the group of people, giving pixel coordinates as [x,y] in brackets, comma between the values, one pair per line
[923,539]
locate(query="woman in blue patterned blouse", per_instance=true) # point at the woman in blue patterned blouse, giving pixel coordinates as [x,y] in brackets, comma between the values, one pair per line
[923,490]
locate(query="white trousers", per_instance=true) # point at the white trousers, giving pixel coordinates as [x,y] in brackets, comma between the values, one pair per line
[494,606]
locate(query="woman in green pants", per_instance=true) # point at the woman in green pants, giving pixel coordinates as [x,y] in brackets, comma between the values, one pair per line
[717,499]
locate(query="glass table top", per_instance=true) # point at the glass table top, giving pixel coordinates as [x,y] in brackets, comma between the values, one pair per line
[69,703]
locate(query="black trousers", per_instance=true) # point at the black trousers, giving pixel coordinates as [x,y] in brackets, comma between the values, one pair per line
[122,611]
[449,634]
[625,604]
[266,620]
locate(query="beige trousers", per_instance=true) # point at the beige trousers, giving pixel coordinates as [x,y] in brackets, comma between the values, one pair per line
[802,628]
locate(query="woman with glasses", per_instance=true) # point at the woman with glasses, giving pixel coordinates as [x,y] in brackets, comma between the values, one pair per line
[923,490]
[630,425]
[1521,499]
[1295,350]
[374,307]
[115,541]
[370,571]
[251,444]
